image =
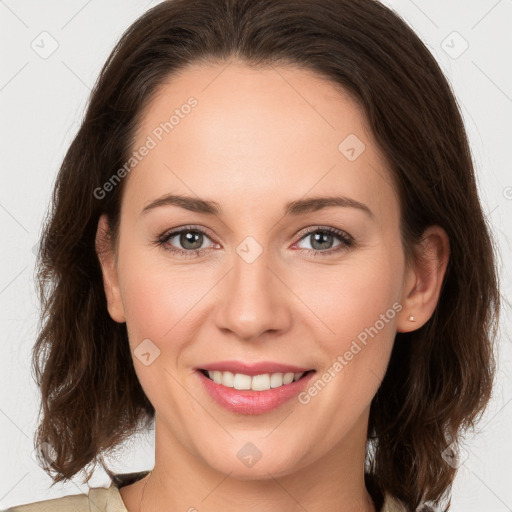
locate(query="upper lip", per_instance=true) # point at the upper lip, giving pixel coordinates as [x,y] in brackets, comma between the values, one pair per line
[252,368]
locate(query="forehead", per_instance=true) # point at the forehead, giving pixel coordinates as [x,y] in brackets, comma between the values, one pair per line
[238,99]
[268,133]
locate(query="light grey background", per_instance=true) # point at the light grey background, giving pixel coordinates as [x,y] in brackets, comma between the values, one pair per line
[42,100]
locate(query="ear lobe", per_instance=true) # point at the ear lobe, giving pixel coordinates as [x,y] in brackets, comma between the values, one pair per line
[424,280]
[106,256]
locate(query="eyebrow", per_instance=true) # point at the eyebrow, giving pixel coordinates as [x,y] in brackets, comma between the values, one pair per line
[294,208]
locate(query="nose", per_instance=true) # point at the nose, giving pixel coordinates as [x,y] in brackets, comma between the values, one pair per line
[253,300]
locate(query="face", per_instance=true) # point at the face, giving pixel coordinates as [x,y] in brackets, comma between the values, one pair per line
[265,272]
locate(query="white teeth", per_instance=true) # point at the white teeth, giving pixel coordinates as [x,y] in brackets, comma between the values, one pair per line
[242,381]
[276,380]
[288,377]
[261,382]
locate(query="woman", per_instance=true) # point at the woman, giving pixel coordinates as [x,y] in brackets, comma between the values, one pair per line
[266,238]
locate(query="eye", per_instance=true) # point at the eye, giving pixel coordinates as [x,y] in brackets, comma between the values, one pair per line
[190,239]
[322,240]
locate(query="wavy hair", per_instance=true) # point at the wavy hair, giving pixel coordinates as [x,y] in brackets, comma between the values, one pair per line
[440,376]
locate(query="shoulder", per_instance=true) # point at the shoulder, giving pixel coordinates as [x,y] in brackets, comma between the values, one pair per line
[98,496]
[99,499]
[75,503]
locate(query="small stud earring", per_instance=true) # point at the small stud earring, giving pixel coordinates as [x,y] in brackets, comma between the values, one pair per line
[411,318]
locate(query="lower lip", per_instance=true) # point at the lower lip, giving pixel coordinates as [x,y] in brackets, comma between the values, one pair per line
[253,402]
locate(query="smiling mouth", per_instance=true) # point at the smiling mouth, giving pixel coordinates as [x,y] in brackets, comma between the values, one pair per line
[262,382]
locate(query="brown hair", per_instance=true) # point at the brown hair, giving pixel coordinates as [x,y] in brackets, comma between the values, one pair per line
[439,377]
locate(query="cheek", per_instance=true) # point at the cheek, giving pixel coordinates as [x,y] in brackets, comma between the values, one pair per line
[158,307]
[352,296]
[358,312]
[357,309]
[156,298]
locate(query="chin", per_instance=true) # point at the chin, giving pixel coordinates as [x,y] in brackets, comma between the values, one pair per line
[250,463]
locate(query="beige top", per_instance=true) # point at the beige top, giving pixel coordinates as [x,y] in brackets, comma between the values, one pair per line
[101,499]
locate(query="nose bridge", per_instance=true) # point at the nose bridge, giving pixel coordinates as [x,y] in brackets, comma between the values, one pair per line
[252,301]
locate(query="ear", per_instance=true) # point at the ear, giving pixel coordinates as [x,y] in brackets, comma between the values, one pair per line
[107,259]
[423,280]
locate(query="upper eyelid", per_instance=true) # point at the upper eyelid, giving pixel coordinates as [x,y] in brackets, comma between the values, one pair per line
[173,232]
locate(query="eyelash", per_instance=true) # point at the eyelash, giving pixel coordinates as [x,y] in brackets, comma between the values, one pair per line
[347,241]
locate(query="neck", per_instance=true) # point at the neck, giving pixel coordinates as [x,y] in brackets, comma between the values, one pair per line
[181,480]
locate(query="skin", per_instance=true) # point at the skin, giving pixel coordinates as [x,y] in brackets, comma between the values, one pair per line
[258,137]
